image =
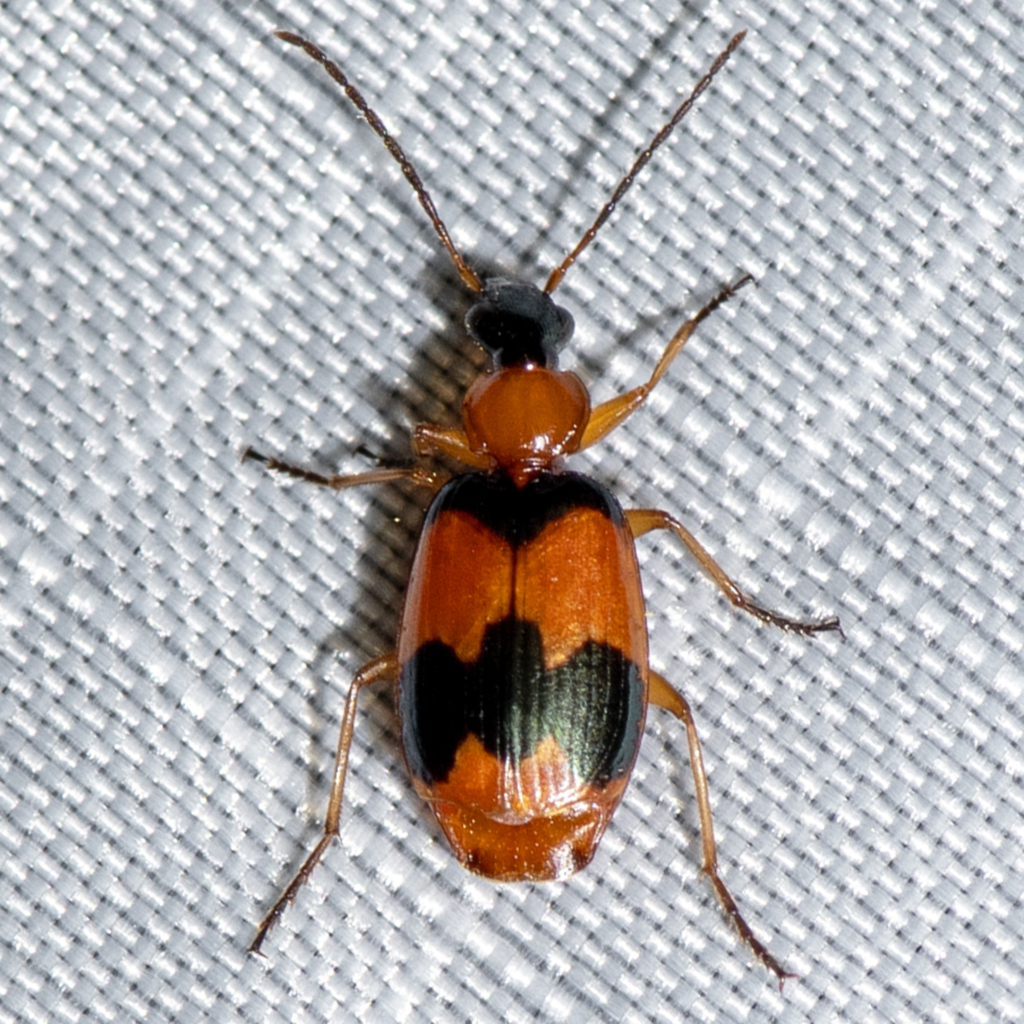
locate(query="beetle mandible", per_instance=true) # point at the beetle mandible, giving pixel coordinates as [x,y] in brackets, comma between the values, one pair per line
[521,669]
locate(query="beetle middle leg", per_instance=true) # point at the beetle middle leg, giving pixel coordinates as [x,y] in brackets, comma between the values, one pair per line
[645,520]
[664,695]
[384,667]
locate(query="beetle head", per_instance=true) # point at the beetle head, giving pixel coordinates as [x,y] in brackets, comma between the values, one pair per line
[518,324]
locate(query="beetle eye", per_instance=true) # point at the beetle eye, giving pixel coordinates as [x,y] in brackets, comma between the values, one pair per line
[566,325]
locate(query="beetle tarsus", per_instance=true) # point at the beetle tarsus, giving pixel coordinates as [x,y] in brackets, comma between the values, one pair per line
[798,626]
[288,896]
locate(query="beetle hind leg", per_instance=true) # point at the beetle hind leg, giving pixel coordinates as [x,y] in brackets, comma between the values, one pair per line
[664,695]
[385,667]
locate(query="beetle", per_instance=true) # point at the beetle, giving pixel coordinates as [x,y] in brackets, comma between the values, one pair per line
[521,668]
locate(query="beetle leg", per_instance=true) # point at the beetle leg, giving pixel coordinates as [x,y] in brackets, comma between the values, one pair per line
[645,520]
[429,438]
[341,481]
[608,415]
[664,695]
[384,667]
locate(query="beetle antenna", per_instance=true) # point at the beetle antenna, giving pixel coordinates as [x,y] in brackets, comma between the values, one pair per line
[641,162]
[465,271]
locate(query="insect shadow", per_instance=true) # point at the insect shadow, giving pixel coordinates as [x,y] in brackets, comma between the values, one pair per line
[443,364]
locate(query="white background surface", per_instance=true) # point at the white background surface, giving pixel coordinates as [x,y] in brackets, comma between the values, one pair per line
[201,249]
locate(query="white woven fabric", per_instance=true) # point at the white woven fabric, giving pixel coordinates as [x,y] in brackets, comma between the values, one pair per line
[201,248]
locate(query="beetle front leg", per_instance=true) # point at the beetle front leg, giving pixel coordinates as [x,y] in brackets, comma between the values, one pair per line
[645,520]
[664,695]
[430,439]
[611,414]
[385,667]
[342,481]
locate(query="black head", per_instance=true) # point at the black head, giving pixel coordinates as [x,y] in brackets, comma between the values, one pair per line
[518,324]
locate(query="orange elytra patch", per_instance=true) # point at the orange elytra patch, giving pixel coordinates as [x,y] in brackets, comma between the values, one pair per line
[579,581]
[460,584]
[525,822]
